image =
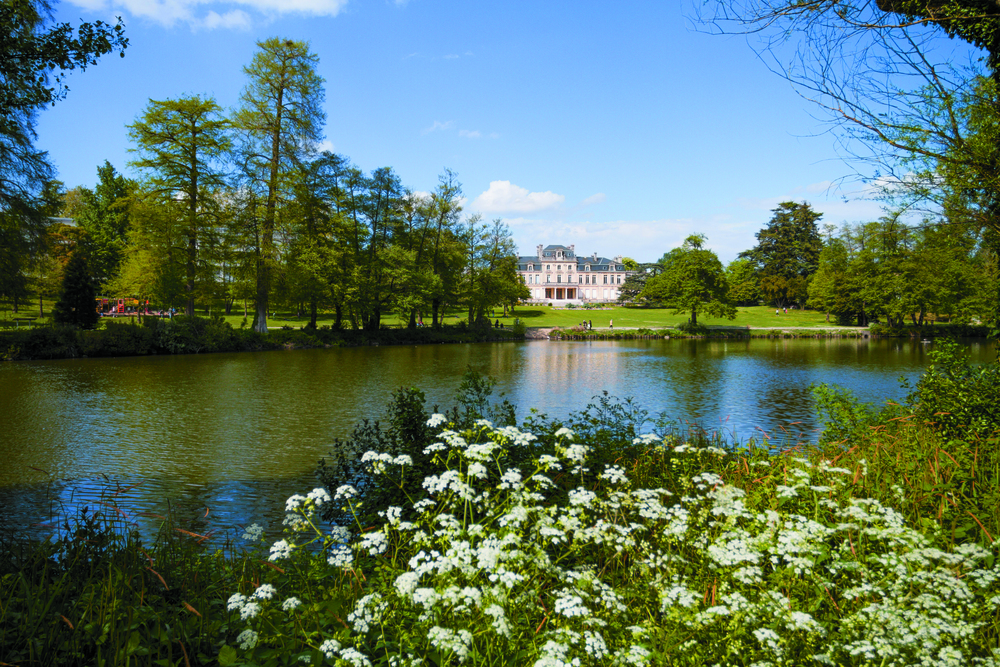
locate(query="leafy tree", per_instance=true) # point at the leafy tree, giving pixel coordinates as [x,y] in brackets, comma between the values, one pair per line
[490,274]
[787,253]
[693,280]
[635,282]
[76,305]
[102,214]
[928,125]
[180,145]
[36,56]
[744,286]
[279,119]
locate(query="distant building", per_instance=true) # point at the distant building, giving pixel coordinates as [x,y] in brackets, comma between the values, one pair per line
[557,275]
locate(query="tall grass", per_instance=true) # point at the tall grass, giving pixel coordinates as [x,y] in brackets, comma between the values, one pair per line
[97,595]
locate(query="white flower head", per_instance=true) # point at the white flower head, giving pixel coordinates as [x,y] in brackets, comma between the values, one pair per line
[345,491]
[263,592]
[253,532]
[436,420]
[281,549]
[247,639]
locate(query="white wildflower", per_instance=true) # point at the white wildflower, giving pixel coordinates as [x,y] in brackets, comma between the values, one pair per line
[253,532]
[247,639]
[281,549]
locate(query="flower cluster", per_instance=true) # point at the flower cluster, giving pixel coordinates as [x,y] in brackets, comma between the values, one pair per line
[497,559]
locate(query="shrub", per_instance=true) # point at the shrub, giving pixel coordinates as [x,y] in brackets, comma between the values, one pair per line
[118,339]
[961,399]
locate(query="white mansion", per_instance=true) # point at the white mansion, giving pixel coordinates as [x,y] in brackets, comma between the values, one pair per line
[558,276]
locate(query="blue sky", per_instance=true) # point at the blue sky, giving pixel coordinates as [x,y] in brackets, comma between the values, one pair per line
[618,128]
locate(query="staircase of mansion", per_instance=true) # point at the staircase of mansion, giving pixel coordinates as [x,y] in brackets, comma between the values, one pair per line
[556,274]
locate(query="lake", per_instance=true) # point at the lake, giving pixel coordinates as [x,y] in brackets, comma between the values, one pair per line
[233,435]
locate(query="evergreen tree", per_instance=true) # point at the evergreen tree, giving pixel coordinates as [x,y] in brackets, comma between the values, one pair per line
[787,253]
[76,305]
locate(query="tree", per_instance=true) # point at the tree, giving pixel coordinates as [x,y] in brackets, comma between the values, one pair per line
[76,305]
[635,282]
[927,125]
[693,280]
[744,285]
[279,119]
[180,144]
[103,216]
[787,253]
[35,58]
[490,275]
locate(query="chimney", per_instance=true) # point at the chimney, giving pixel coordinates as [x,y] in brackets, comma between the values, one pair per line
[539,251]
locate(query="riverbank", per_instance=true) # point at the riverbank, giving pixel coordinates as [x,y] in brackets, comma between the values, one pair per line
[196,335]
[730,332]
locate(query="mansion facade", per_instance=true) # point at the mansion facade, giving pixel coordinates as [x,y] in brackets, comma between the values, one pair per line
[557,275]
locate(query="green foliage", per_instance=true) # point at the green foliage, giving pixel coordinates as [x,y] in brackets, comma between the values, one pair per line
[97,595]
[56,342]
[118,339]
[787,253]
[844,418]
[104,217]
[959,399]
[37,56]
[693,280]
[76,305]
[407,434]
[181,144]
[279,118]
[744,285]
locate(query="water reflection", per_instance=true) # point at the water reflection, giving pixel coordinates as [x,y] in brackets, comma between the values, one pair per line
[236,434]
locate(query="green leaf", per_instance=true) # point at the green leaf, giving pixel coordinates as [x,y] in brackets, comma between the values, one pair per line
[227,656]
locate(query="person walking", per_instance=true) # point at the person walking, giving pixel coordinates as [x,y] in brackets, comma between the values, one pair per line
[611,324]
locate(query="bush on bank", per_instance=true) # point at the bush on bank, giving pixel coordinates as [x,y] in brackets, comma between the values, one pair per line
[602,539]
[194,335]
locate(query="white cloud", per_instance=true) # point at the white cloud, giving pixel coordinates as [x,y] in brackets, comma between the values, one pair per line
[594,199]
[228,14]
[504,196]
[325,145]
[470,134]
[438,126]
[233,20]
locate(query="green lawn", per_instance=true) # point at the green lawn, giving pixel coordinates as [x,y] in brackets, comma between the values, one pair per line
[757,317]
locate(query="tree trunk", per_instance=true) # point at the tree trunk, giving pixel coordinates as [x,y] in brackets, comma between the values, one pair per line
[192,254]
[435,305]
[312,314]
[41,312]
